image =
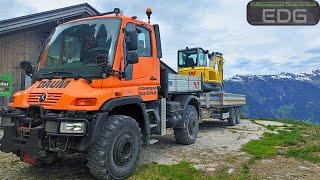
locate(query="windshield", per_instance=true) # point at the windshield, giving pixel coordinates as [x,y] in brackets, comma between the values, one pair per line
[188,58]
[191,58]
[81,47]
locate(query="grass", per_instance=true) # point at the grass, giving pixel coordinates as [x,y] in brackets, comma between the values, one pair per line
[183,170]
[267,146]
[301,142]
[271,128]
[305,153]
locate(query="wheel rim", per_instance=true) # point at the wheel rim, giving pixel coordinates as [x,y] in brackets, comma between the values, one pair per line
[123,149]
[192,125]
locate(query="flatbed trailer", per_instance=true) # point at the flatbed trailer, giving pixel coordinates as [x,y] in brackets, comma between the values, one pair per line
[212,105]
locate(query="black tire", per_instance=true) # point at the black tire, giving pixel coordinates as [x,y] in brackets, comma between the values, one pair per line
[188,135]
[232,117]
[237,115]
[117,149]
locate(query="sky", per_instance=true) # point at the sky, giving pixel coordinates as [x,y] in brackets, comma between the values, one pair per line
[215,25]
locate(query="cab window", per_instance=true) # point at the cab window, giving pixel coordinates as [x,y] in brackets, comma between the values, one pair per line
[202,59]
[144,42]
[187,58]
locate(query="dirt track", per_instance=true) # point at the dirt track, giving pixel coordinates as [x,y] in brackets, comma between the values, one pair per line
[215,142]
[215,145]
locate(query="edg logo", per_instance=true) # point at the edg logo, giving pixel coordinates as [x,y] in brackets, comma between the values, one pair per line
[283,12]
[284,16]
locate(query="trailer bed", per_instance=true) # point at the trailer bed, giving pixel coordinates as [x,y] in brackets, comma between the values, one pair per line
[221,99]
[183,84]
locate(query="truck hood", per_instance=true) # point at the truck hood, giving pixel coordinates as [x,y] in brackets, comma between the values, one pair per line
[58,94]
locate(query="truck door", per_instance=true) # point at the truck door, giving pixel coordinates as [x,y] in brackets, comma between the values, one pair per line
[144,73]
[202,58]
[145,68]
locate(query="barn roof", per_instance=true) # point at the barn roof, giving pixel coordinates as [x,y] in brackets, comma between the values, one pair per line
[54,16]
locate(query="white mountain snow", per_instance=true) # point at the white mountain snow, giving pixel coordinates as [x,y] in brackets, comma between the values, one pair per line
[313,76]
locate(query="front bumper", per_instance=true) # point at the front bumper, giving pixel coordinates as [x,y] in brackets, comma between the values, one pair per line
[35,136]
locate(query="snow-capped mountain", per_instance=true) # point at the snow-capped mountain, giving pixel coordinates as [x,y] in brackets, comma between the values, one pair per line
[285,95]
[309,77]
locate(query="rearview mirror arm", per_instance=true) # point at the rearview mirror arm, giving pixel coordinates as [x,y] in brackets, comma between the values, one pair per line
[27,67]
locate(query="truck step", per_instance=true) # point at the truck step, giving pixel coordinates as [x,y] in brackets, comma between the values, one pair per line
[153,125]
[153,141]
[149,110]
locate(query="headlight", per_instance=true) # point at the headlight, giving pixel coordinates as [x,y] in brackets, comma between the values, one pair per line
[73,127]
[1,134]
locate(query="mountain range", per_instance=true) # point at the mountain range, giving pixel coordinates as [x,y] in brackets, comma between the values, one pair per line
[283,96]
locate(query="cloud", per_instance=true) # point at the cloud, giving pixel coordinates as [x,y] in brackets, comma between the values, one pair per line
[313,51]
[214,25]
[311,60]
[11,9]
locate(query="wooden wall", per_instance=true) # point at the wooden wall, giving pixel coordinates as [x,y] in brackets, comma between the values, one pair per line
[13,49]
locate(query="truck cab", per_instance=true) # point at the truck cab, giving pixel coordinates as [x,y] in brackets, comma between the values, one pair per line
[80,66]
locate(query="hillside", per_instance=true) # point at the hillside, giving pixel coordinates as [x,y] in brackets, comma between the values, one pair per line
[286,95]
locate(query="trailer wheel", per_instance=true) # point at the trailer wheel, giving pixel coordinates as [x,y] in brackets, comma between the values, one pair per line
[188,134]
[232,117]
[238,115]
[117,149]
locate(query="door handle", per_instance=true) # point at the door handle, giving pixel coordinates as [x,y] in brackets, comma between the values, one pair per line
[152,78]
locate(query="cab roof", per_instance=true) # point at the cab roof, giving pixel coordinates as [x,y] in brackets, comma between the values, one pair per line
[194,48]
[107,17]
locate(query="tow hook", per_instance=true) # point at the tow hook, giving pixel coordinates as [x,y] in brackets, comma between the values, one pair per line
[29,159]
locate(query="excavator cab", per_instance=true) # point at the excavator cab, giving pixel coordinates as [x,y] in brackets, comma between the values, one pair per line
[199,62]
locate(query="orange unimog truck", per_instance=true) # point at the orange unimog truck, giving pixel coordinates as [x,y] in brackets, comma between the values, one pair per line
[100,88]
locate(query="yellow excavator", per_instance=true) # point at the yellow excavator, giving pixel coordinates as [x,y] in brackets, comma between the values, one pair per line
[199,62]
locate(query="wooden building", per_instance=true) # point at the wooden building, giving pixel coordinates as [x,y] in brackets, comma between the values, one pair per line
[22,38]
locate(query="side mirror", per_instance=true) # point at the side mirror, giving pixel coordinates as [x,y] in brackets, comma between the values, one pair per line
[131,40]
[27,67]
[132,57]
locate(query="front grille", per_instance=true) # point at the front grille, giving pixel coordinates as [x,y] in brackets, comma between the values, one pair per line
[52,99]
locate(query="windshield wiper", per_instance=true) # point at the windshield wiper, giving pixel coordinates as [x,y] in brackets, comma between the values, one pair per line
[74,75]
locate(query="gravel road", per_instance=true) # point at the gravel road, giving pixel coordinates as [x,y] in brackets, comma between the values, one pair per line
[216,143]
